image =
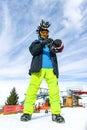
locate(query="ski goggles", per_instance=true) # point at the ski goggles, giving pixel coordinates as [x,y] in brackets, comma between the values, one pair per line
[44,32]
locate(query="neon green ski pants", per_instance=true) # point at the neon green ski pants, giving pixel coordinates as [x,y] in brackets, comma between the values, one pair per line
[53,89]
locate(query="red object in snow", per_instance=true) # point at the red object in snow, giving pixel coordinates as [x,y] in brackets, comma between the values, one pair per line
[8,109]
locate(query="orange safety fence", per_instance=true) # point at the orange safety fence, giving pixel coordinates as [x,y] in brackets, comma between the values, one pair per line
[8,109]
[44,107]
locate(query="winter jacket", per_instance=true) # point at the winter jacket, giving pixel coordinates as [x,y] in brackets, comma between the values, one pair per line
[36,49]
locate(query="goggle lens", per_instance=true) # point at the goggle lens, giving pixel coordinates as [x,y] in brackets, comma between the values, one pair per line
[44,32]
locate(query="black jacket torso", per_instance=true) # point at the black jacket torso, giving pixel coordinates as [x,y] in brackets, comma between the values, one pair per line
[36,49]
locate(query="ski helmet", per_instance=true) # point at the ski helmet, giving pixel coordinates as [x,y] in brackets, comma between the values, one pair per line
[43,26]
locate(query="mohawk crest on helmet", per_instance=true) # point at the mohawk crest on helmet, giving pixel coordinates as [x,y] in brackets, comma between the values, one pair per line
[43,26]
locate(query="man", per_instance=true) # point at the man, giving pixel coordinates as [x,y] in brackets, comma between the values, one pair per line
[44,65]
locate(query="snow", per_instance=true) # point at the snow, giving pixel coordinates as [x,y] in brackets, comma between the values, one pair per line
[75,119]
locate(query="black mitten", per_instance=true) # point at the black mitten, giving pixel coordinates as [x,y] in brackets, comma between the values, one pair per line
[57,42]
[47,41]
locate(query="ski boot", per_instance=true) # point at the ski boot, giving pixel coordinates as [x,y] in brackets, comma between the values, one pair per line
[25,117]
[57,118]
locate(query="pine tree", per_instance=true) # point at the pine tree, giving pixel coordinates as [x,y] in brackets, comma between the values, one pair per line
[13,98]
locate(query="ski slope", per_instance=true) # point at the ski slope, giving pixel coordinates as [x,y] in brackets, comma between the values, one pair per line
[76,119]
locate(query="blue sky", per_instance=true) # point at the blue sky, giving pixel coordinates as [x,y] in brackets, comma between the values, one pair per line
[18,23]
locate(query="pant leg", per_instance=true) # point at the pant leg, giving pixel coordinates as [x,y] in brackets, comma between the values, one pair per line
[54,92]
[35,81]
